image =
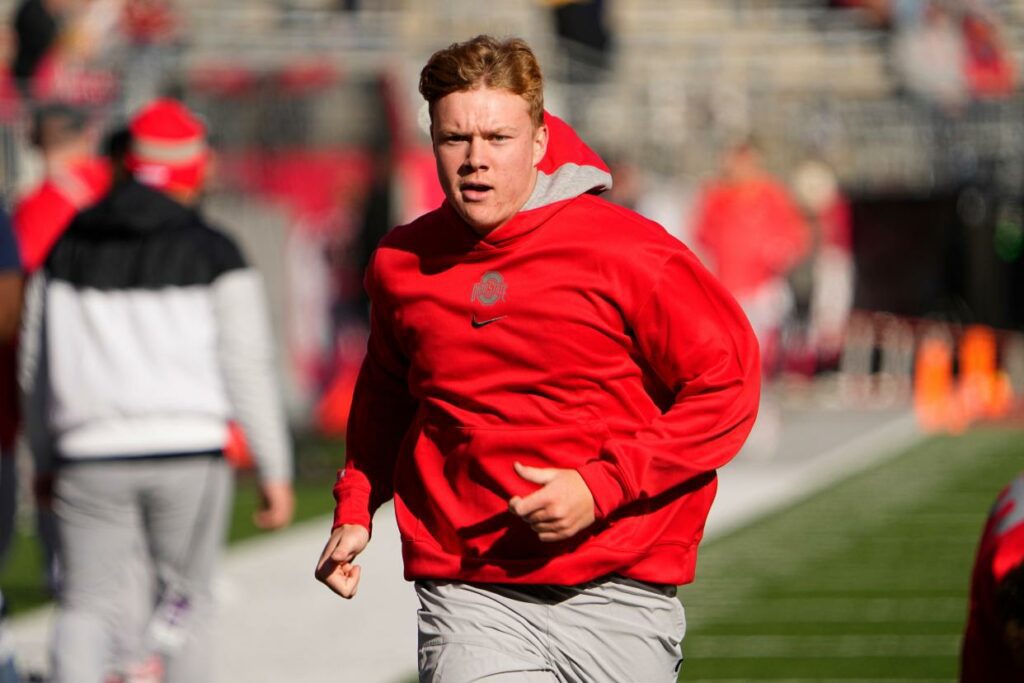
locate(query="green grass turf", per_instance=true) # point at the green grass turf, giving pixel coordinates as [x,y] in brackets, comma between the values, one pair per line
[316,462]
[866,580]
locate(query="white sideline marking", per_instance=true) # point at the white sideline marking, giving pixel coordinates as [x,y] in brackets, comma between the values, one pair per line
[748,491]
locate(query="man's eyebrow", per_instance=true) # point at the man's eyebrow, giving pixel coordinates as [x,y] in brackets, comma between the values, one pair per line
[498,130]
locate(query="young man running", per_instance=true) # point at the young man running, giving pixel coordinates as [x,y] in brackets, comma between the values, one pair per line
[550,385]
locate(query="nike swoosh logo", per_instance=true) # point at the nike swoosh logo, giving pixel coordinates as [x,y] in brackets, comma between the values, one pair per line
[481,323]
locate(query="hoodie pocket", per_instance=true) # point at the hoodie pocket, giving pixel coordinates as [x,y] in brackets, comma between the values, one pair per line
[468,479]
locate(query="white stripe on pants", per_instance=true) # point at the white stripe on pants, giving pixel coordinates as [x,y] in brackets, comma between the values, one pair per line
[611,630]
[168,513]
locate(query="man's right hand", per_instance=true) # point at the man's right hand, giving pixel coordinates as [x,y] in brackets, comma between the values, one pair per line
[335,569]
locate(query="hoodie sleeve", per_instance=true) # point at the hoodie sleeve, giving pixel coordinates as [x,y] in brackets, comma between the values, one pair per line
[382,412]
[695,337]
[245,351]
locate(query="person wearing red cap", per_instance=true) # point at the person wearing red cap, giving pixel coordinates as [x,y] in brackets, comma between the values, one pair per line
[550,385]
[168,148]
[146,333]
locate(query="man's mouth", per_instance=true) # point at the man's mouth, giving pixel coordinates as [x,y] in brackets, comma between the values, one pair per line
[474,192]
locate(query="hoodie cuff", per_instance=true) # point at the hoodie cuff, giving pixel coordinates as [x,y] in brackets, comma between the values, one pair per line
[603,479]
[353,506]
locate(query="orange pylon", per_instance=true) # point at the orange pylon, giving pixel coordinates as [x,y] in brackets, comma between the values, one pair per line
[933,384]
[983,389]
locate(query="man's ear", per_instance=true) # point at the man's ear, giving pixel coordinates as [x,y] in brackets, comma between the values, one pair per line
[540,143]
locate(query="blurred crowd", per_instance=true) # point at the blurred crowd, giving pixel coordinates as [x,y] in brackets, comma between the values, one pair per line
[78,52]
[947,51]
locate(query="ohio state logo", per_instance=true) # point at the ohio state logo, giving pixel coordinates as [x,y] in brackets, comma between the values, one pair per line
[490,290]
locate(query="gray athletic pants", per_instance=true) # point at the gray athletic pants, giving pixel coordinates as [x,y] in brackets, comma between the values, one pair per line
[173,512]
[612,630]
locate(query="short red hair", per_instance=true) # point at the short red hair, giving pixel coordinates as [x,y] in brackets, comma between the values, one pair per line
[485,61]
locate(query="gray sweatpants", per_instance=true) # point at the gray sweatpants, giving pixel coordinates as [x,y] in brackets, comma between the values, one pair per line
[172,512]
[613,630]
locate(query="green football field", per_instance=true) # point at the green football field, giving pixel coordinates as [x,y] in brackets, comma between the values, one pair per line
[867,580]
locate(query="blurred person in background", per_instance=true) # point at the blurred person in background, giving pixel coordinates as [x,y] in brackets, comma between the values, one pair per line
[993,643]
[928,54]
[823,283]
[10,315]
[74,177]
[36,27]
[586,46]
[751,233]
[60,44]
[145,333]
[949,52]
[584,37]
[988,65]
[550,385]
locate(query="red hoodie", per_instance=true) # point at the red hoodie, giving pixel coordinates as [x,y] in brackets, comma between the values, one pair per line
[578,335]
[985,656]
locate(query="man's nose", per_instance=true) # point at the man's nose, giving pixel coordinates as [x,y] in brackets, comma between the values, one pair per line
[476,154]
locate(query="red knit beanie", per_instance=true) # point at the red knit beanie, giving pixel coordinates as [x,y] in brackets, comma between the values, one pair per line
[168,149]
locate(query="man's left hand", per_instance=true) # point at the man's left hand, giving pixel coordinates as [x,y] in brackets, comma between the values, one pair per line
[560,509]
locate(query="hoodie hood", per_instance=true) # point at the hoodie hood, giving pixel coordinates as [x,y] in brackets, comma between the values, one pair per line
[133,207]
[569,168]
[139,238]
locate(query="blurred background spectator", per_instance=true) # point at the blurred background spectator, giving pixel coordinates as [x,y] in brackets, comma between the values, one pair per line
[823,282]
[928,53]
[74,176]
[36,28]
[752,234]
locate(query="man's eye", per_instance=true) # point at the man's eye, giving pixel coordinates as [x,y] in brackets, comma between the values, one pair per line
[500,138]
